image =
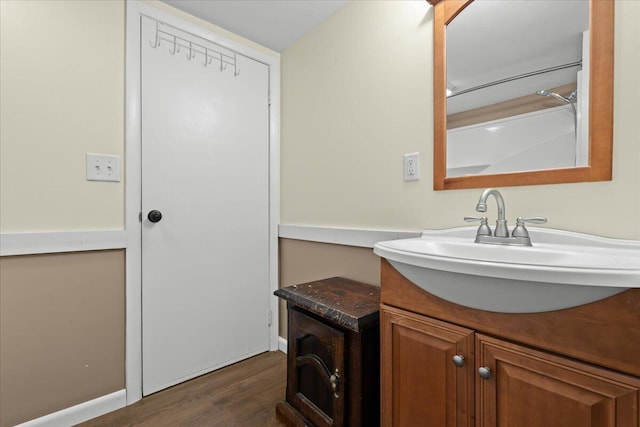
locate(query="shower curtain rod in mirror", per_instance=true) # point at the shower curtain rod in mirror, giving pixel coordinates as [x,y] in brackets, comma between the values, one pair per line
[518,77]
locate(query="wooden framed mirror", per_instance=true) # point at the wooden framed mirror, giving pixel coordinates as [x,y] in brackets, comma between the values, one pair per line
[597,104]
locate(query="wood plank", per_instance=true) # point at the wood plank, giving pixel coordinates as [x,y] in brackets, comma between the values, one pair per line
[289,416]
[244,395]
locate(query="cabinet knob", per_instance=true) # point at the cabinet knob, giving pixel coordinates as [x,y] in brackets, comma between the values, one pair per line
[458,360]
[484,372]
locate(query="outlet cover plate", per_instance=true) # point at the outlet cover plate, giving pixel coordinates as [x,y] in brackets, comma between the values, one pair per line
[412,166]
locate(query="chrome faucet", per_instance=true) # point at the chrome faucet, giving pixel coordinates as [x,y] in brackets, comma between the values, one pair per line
[501,223]
[519,236]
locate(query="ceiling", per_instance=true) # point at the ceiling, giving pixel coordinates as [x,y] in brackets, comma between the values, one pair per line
[276,24]
[491,40]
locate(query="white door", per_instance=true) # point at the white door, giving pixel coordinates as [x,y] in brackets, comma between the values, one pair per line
[205,168]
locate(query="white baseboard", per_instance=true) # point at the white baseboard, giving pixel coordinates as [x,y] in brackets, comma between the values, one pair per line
[360,237]
[82,412]
[282,345]
[61,241]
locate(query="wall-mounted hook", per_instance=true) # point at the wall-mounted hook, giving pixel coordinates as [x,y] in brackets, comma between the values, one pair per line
[236,69]
[157,40]
[175,48]
[190,54]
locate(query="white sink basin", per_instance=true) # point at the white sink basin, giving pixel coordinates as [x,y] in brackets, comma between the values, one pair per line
[562,269]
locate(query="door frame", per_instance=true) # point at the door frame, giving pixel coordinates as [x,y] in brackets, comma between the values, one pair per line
[133,176]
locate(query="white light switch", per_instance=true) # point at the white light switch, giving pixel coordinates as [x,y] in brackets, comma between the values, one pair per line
[103,167]
[412,166]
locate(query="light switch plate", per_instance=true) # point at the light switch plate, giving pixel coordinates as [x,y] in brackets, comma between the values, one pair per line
[103,167]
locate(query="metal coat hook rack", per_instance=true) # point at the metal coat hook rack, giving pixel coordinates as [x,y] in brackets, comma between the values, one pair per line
[176,43]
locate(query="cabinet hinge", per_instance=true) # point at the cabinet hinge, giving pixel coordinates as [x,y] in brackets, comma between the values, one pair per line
[269,98]
[270,318]
[140,217]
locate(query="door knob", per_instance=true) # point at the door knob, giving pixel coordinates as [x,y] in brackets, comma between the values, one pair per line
[154,216]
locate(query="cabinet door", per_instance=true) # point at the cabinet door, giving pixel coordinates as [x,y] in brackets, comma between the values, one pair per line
[528,388]
[316,386]
[420,384]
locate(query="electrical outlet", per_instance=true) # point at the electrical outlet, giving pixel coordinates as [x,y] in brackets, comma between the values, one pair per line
[103,167]
[412,166]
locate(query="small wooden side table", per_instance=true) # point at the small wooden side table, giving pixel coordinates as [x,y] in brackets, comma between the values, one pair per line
[333,354]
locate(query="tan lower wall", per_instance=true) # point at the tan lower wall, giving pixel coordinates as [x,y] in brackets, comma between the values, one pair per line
[62,331]
[302,261]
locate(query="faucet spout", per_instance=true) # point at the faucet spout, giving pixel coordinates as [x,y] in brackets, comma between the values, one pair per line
[482,203]
[501,223]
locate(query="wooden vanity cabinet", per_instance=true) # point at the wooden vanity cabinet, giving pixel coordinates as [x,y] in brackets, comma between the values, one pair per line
[526,381]
[419,383]
[529,388]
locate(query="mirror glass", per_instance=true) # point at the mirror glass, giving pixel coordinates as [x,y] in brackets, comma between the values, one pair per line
[517,83]
[514,90]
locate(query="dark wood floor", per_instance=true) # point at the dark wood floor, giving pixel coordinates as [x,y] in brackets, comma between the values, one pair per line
[241,395]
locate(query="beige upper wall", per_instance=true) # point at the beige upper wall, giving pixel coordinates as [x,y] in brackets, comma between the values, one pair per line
[357,94]
[62,95]
[62,85]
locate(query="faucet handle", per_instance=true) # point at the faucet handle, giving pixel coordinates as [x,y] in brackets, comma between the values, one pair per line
[534,220]
[484,229]
[520,230]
